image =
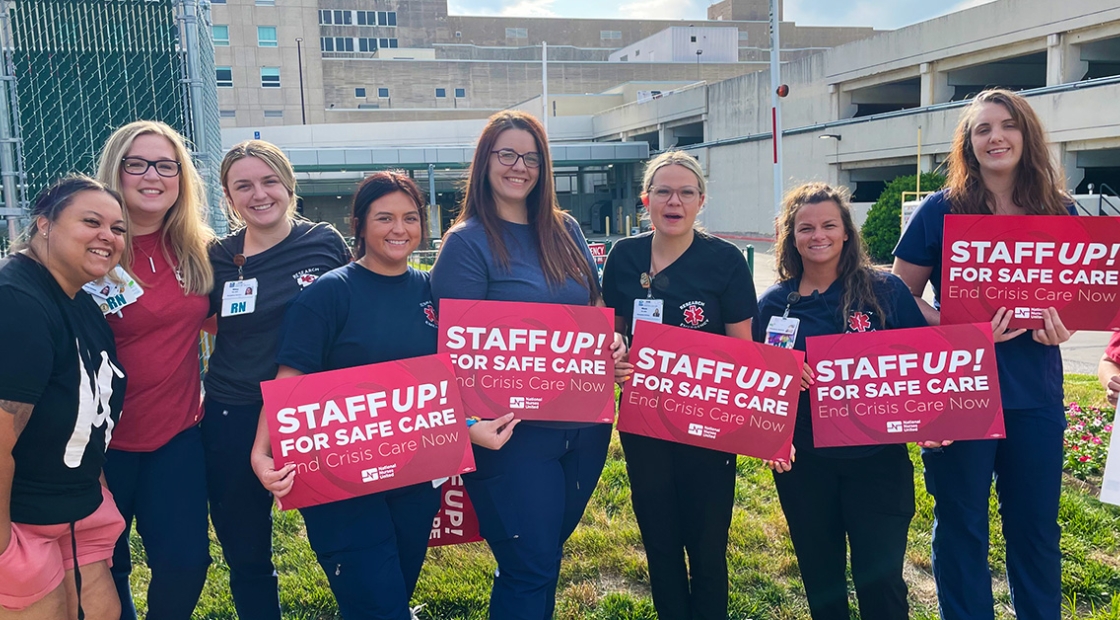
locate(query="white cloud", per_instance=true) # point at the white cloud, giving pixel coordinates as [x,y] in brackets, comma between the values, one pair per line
[660,9]
[528,8]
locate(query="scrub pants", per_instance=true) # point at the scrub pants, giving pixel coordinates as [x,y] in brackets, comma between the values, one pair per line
[240,508]
[372,547]
[865,503]
[1027,467]
[165,491]
[683,496]
[529,496]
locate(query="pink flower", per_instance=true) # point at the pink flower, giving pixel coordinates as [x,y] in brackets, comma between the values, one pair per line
[1108,428]
[1084,458]
[1097,440]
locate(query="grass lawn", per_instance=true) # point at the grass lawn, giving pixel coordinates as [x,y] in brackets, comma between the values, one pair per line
[604,574]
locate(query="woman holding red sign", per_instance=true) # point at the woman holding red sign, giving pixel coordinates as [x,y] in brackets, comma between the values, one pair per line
[859,495]
[511,242]
[999,164]
[1109,369]
[682,495]
[373,310]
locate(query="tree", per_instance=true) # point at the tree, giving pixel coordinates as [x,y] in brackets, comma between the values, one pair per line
[883,226]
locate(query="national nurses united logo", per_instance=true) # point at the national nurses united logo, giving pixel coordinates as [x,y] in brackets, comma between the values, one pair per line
[430,314]
[693,312]
[306,277]
[859,322]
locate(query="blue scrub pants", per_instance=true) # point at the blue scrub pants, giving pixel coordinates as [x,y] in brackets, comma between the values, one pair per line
[240,508]
[372,548]
[165,490]
[1027,467]
[529,497]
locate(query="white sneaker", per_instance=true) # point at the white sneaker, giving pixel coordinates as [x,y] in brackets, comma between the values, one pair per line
[415,610]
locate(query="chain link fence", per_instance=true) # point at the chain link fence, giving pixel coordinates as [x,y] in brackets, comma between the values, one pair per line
[78,69]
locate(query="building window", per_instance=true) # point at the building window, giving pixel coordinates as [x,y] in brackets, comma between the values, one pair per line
[274,114]
[383,93]
[367,44]
[743,35]
[266,36]
[360,93]
[227,113]
[692,39]
[343,44]
[460,93]
[270,77]
[326,44]
[325,18]
[441,93]
[367,18]
[386,18]
[217,1]
[387,43]
[610,35]
[266,2]
[517,33]
[343,18]
[225,77]
[220,35]
[458,34]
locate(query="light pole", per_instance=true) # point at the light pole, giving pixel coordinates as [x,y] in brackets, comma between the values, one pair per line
[299,61]
[698,53]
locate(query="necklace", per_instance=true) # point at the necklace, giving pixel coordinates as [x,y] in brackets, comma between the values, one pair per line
[151,261]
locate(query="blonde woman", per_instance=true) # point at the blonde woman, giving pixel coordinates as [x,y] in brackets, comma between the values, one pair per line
[682,494]
[155,464]
[271,256]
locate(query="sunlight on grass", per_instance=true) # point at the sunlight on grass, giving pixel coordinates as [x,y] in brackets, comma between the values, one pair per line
[604,575]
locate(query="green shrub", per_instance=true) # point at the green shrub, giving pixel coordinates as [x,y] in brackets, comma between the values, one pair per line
[883,226]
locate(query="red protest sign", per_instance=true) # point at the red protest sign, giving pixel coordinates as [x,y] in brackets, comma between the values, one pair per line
[455,523]
[711,391]
[1030,262]
[540,361]
[901,385]
[367,429]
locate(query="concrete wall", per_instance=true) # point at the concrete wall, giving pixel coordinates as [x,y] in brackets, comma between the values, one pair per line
[821,89]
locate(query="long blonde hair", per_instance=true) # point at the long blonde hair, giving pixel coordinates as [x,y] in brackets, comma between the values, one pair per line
[184,229]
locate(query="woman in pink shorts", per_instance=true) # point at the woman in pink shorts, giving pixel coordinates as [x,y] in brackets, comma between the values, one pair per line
[60,397]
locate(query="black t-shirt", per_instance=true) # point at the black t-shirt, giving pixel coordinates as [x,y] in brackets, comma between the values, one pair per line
[245,350]
[709,286]
[819,314]
[60,357]
[353,316]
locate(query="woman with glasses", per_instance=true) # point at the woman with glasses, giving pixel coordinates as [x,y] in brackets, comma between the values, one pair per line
[511,242]
[272,255]
[155,466]
[678,275]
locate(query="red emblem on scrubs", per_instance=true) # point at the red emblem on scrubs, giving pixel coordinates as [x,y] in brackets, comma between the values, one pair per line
[859,322]
[430,313]
[694,315]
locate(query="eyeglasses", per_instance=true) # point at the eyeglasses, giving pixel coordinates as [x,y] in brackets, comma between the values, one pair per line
[509,157]
[138,166]
[687,194]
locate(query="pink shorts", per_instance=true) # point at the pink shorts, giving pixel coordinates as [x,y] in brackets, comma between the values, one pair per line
[38,556]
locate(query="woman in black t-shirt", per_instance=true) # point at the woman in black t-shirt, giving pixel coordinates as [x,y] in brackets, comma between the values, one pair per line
[682,494]
[862,497]
[61,390]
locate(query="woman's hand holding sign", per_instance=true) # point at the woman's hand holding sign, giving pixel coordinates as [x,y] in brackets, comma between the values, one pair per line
[1000,332]
[1053,332]
[493,434]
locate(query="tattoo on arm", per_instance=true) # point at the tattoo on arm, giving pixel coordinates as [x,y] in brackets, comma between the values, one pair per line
[21,411]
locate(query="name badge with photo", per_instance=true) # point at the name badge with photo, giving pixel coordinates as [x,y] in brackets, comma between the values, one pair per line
[111,296]
[652,310]
[782,331]
[239,297]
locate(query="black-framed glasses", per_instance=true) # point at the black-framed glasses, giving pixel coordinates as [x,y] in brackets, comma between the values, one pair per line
[138,166]
[509,157]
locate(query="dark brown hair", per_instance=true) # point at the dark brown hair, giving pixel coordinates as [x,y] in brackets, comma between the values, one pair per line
[1039,184]
[376,186]
[854,269]
[560,256]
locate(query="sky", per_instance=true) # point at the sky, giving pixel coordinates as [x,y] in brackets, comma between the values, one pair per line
[882,14]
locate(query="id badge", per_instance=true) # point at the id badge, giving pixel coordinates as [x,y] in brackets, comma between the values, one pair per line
[782,331]
[110,296]
[239,297]
[648,310]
